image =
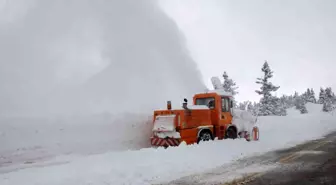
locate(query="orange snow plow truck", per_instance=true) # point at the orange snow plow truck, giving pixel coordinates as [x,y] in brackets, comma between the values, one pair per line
[211,116]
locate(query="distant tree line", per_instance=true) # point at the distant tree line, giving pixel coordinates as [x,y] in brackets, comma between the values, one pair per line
[272,105]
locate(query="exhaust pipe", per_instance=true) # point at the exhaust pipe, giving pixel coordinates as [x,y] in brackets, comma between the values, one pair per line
[169,107]
[185,106]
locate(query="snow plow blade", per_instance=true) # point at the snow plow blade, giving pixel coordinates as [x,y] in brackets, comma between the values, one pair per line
[164,142]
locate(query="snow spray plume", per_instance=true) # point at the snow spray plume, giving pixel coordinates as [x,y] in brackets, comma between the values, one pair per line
[81,56]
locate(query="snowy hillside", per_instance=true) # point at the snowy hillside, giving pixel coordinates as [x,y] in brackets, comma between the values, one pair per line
[144,166]
[311,108]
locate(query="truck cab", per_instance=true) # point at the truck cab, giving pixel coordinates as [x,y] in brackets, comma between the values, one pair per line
[221,107]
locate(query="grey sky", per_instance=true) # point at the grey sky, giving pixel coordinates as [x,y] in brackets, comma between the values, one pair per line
[297,37]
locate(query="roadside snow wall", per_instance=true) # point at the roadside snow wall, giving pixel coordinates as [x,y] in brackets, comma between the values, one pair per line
[23,139]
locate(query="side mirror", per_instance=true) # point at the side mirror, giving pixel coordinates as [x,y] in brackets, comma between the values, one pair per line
[231,104]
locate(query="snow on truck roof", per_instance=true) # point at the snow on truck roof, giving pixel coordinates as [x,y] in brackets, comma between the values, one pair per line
[198,107]
[220,92]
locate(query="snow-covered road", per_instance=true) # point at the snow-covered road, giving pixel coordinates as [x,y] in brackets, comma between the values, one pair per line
[149,166]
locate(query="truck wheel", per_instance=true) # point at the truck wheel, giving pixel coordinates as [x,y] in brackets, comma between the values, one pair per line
[205,136]
[231,133]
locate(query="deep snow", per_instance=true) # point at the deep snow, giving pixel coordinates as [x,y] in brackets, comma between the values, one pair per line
[32,139]
[147,166]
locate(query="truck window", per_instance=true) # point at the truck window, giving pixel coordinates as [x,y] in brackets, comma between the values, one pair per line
[225,105]
[210,102]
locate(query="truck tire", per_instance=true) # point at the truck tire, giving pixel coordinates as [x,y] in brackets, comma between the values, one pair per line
[231,133]
[205,135]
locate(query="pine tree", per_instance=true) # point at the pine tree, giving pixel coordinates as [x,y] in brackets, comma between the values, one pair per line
[322,96]
[229,85]
[308,92]
[300,105]
[287,101]
[283,100]
[312,97]
[309,96]
[328,100]
[250,107]
[290,101]
[254,108]
[269,105]
[280,109]
[296,94]
[305,96]
[241,106]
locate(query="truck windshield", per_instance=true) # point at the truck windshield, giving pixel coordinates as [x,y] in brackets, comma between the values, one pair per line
[210,102]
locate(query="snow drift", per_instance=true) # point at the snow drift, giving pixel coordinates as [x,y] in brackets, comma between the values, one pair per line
[34,139]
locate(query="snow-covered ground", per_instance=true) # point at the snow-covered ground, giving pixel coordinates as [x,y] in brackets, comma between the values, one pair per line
[114,165]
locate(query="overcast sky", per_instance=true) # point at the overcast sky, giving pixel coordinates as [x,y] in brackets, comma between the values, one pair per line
[297,37]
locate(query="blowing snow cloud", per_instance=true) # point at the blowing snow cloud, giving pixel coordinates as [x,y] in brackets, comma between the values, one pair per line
[83,56]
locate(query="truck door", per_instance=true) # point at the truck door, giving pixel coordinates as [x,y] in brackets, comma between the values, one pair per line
[225,117]
[211,102]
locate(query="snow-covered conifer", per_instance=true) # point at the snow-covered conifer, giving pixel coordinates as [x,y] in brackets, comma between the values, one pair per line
[322,96]
[269,104]
[229,85]
[328,101]
[311,98]
[300,105]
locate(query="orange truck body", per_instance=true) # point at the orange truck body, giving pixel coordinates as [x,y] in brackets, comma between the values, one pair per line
[191,123]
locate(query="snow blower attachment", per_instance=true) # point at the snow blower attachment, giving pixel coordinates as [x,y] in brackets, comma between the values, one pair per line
[211,116]
[164,131]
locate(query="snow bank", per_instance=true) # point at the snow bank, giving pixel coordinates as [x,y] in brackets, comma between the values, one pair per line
[23,139]
[311,108]
[148,166]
